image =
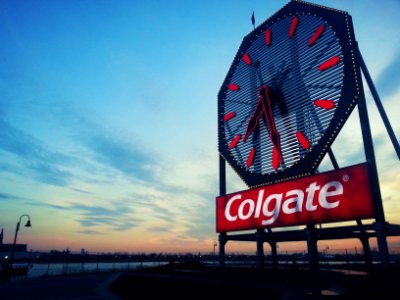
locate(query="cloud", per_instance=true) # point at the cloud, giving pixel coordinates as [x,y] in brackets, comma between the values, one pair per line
[118,218]
[80,191]
[158,229]
[389,79]
[163,212]
[89,232]
[113,223]
[109,152]
[9,197]
[5,197]
[202,230]
[50,173]
[91,221]
[98,210]
[44,165]
[44,204]
[131,160]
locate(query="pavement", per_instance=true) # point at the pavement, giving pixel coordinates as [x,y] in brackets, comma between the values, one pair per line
[182,281]
[88,286]
[196,281]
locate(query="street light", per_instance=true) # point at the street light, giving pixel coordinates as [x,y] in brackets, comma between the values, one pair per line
[28,224]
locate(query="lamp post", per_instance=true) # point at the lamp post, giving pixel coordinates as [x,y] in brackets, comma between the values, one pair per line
[28,224]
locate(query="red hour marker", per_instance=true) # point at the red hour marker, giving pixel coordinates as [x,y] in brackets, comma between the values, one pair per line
[333,61]
[235,141]
[316,34]
[251,157]
[304,142]
[275,158]
[233,87]
[293,26]
[324,103]
[229,116]
[246,59]
[268,37]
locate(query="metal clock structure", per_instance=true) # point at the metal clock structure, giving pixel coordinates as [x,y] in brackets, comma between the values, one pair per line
[290,88]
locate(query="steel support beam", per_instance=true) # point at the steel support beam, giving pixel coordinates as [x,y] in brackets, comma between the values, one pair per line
[378,103]
[222,192]
[274,253]
[374,179]
[312,246]
[260,247]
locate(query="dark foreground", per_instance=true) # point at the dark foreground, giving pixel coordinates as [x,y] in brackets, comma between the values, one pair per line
[89,286]
[191,281]
[198,281]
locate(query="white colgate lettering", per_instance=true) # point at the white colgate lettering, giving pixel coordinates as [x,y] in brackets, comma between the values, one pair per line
[274,213]
[228,215]
[250,204]
[290,202]
[337,189]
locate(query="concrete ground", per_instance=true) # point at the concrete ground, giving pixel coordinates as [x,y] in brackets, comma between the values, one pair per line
[197,281]
[182,281]
[90,286]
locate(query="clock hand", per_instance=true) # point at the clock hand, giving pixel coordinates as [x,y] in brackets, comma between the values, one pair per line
[253,121]
[263,108]
[277,158]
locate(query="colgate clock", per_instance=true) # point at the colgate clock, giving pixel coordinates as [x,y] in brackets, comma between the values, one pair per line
[288,92]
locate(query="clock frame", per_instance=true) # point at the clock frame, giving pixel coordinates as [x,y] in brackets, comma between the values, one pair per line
[271,96]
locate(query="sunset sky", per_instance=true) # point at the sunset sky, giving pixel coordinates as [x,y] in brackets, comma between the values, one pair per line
[108,118]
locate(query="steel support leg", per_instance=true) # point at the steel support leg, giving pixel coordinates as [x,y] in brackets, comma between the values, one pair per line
[312,247]
[374,179]
[222,242]
[274,254]
[222,192]
[260,247]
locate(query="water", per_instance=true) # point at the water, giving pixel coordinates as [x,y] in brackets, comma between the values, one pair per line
[37,270]
[50,269]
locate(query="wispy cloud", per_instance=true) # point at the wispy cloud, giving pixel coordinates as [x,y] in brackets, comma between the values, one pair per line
[89,232]
[45,165]
[388,81]
[118,218]
[162,212]
[108,152]
[10,197]
[131,160]
[158,229]
[108,147]
[80,191]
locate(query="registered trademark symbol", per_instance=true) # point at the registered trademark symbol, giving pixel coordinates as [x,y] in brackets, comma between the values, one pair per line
[346,178]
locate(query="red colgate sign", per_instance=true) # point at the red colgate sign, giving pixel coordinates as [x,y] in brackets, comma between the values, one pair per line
[333,196]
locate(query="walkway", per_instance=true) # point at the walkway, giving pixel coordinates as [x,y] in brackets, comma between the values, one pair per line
[90,286]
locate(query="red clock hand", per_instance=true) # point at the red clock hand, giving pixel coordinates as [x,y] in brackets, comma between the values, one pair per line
[253,121]
[277,158]
[264,109]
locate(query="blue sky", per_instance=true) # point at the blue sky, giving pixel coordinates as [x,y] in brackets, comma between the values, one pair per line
[108,132]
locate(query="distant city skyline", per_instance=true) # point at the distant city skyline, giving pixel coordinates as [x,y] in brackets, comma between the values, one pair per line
[108,119]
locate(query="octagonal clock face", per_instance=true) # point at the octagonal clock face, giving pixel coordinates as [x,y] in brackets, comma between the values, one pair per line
[287,94]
